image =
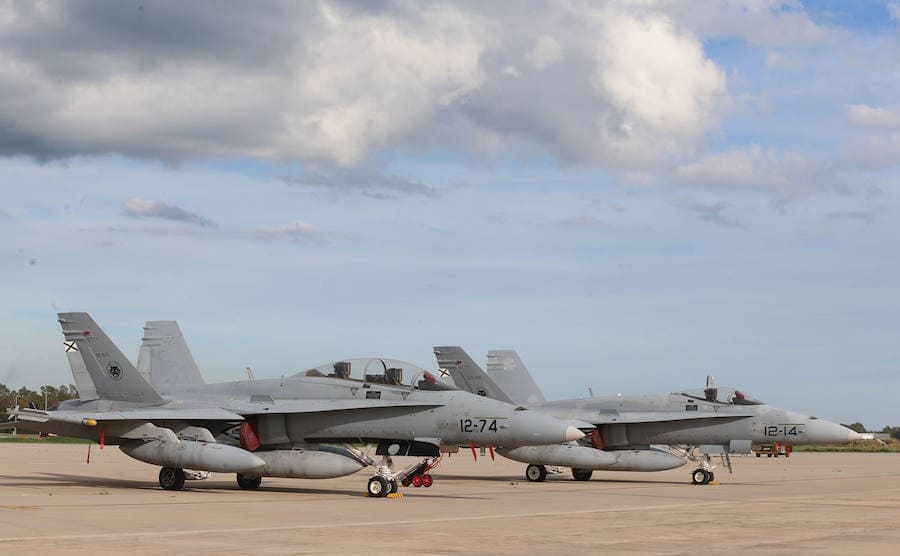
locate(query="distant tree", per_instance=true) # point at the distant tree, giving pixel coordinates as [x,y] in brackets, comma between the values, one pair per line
[858,427]
[893,431]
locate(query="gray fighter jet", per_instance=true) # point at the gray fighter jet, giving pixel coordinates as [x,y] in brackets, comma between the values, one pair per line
[639,433]
[302,426]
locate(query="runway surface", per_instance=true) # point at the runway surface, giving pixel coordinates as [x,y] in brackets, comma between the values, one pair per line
[52,502]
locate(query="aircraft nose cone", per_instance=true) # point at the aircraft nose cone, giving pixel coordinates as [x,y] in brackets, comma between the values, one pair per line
[825,432]
[530,428]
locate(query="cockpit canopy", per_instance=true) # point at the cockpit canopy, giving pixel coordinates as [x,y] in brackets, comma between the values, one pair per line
[721,394]
[377,370]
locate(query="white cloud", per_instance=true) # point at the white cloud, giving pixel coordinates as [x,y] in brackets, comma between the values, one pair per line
[547,51]
[296,230]
[861,115]
[621,85]
[784,173]
[893,9]
[871,153]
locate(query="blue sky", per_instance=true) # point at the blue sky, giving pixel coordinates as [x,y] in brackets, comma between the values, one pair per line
[633,195]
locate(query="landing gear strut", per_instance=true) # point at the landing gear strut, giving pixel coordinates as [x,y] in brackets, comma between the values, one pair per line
[171,478]
[536,473]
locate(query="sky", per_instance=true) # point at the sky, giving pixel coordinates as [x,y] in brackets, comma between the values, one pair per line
[632,194]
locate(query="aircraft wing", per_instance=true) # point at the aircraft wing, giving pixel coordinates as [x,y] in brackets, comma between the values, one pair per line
[319,405]
[641,416]
[138,414]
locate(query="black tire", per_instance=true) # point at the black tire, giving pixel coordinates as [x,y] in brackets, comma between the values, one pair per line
[759,455]
[536,473]
[395,486]
[378,487]
[248,483]
[699,477]
[712,477]
[770,455]
[582,474]
[171,478]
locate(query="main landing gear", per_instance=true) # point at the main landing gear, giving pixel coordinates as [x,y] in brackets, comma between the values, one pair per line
[248,483]
[582,474]
[171,478]
[536,473]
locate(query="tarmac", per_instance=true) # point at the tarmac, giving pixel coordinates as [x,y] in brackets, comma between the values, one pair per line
[53,502]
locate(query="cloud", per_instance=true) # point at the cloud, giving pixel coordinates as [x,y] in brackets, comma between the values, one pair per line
[893,9]
[620,85]
[711,213]
[296,231]
[785,173]
[869,117]
[874,152]
[867,215]
[141,208]
[369,181]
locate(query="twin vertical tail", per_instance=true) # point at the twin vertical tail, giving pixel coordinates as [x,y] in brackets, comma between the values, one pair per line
[112,375]
[508,371]
[165,359]
[466,374]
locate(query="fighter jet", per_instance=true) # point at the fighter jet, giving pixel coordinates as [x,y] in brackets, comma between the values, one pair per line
[303,426]
[639,433]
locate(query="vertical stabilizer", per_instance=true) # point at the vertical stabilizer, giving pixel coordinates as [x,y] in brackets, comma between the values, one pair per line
[165,359]
[113,376]
[505,367]
[467,375]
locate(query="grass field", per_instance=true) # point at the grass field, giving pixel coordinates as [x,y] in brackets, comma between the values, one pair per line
[35,439]
[874,446]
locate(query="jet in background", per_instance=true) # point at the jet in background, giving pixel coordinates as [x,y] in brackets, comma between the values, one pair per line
[302,426]
[639,433]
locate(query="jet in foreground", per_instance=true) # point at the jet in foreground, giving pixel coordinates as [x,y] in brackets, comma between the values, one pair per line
[302,426]
[639,433]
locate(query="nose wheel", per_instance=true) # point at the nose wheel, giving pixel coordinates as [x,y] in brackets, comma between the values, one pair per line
[582,474]
[702,476]
[248,483]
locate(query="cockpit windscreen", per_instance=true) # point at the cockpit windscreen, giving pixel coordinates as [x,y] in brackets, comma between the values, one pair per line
[377,370]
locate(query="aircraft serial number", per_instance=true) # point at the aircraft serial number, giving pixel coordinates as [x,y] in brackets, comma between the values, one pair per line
[784,430]
[478,425]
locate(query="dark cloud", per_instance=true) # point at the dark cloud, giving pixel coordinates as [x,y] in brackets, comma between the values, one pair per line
[712,213]
[368,181]
[140,208]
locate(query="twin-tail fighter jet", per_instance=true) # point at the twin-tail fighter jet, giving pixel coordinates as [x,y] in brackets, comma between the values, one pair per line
[639,433]
[308,425]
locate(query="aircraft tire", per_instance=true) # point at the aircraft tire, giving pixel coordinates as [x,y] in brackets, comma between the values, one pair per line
[582,474]
[395,486]
[700,476]
[248,483]
[712,477]
[171,478]
[536,473]
[378,487]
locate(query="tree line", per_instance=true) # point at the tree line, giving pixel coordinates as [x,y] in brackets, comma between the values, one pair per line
[24,396]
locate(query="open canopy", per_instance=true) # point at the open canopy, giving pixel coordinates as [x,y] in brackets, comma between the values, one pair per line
[378,370]
[721,394]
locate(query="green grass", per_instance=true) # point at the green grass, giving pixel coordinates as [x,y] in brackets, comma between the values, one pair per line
[868,446]
[35,439]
